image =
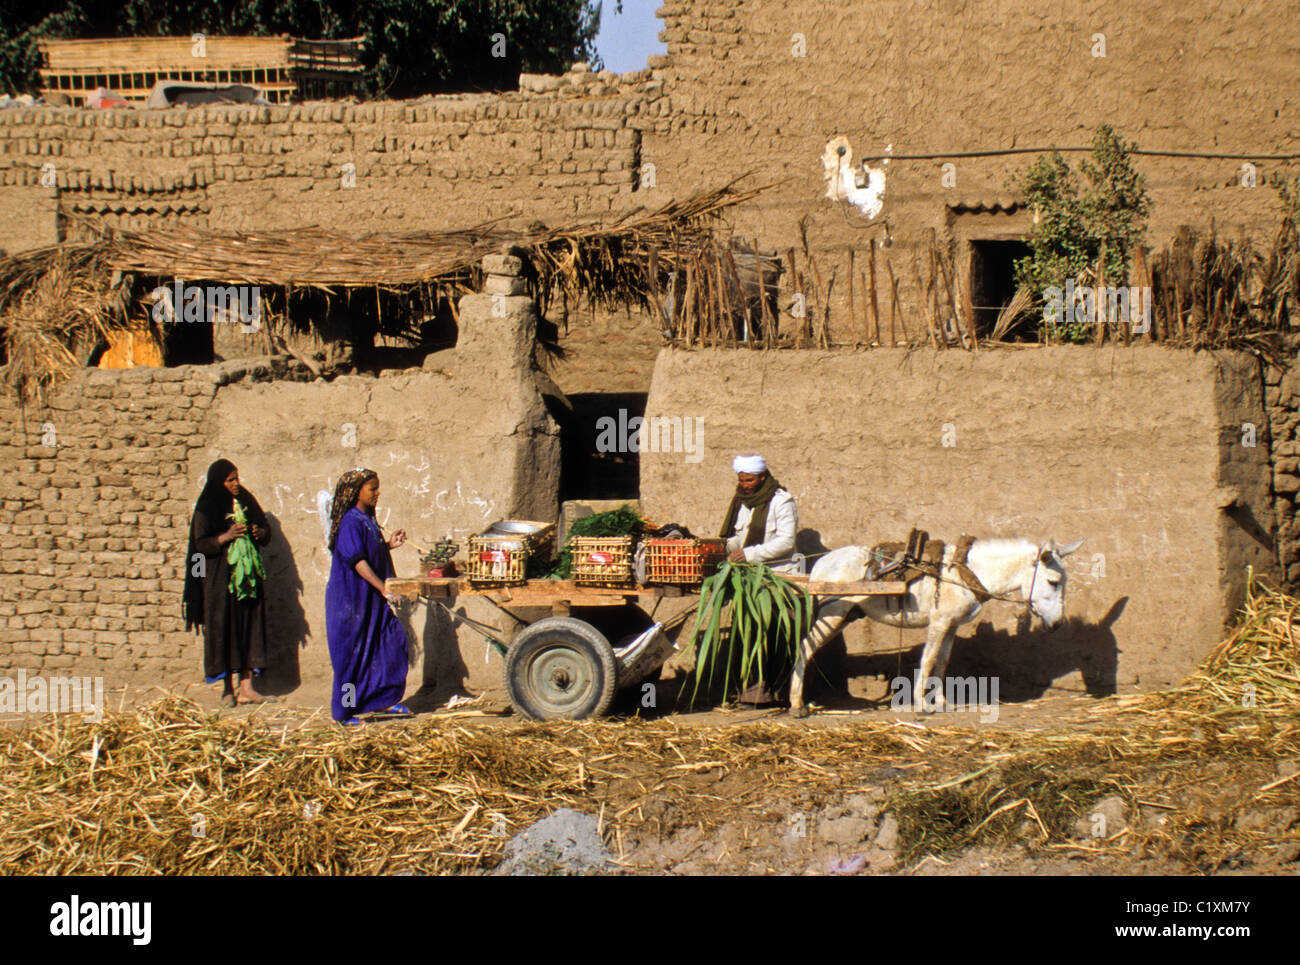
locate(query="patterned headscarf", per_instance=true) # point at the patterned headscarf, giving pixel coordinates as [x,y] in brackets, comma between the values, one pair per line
[345,497]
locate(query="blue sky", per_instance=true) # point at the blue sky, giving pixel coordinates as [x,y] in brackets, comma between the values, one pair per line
[625,40]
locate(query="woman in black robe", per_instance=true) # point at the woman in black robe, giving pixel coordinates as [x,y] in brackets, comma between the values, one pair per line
[234,629]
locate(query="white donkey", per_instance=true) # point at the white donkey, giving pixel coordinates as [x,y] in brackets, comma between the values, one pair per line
[1003,566]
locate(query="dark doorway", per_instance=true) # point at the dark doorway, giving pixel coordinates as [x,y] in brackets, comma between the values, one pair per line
[993,285]
[597,461]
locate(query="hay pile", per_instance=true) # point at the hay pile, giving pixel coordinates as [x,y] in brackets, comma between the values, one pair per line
[1238,715]
[1258,665]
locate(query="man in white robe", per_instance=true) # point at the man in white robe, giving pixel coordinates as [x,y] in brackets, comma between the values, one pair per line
[757,492]
[760,527]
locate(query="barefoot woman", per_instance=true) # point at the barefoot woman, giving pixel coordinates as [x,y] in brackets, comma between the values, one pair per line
[367,642]
[231,612]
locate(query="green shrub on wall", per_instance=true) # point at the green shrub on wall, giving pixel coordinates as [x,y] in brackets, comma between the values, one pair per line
[1079,219]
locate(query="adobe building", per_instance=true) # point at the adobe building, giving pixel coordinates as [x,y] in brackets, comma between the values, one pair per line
[1140,450]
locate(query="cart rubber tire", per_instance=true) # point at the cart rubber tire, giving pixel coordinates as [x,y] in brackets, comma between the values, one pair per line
[560,668]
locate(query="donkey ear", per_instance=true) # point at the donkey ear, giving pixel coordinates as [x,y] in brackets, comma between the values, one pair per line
[1069,548]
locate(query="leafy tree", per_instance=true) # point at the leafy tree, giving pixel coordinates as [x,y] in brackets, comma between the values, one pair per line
[413,47]
[1078,218]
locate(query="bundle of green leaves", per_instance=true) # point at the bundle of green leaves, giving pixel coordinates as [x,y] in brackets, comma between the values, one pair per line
[748,619]
[247,574]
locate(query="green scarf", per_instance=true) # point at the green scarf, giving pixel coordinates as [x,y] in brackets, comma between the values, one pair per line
[758,502]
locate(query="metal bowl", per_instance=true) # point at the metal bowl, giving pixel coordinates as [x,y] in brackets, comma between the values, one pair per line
[512,528]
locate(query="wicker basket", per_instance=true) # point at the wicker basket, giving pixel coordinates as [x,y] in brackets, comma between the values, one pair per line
[602,560]
[683,561]
[498,557]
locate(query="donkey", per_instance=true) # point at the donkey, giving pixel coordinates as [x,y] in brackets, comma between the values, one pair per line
[1002,565]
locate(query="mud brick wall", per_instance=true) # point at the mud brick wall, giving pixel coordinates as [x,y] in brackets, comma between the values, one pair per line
[564,149]
[94,527]
[1282,394]
[957,76]
[1137,451]
[730,96]
[607,351]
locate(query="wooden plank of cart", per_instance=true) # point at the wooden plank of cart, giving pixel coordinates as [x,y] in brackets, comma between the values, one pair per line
[562,667]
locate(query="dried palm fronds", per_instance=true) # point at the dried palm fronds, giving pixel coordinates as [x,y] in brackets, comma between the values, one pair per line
[54,299]
[1011,312]
[55,306]
[1208,293]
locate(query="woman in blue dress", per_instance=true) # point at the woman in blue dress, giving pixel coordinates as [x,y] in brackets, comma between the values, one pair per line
[367,642]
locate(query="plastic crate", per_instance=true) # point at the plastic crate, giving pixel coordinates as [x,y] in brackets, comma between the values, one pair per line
[602,560]
[683,561]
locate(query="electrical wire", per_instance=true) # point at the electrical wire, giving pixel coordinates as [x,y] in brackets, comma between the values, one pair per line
[1086,150]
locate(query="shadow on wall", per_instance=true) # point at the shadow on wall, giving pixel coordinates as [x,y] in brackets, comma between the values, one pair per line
[287,626]
[1026,662]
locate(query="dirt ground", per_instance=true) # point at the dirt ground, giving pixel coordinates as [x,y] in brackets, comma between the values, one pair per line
[1068,784]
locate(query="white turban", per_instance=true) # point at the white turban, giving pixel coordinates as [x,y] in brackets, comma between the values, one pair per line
[751,464]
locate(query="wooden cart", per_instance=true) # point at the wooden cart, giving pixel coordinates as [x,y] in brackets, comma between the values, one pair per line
[562,667]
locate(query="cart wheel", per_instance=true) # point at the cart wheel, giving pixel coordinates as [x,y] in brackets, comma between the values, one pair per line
[560,668]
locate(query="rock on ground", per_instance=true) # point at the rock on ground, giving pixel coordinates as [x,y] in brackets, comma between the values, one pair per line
[566,843]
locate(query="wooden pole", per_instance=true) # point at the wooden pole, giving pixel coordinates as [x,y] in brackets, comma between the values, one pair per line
[875,310]
[654,291]
[947,287]
[968,307]
[866,308]
[725,325]
[769,330]
[826,318]
[740,293]
[817,286]
[688,299]
[893,305]
[925,305]
[1140,275]
[1099,307]
[932,298]
[853,311]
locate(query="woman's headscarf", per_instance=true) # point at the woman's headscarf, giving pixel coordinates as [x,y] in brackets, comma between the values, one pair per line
[215,503]
[345,497]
